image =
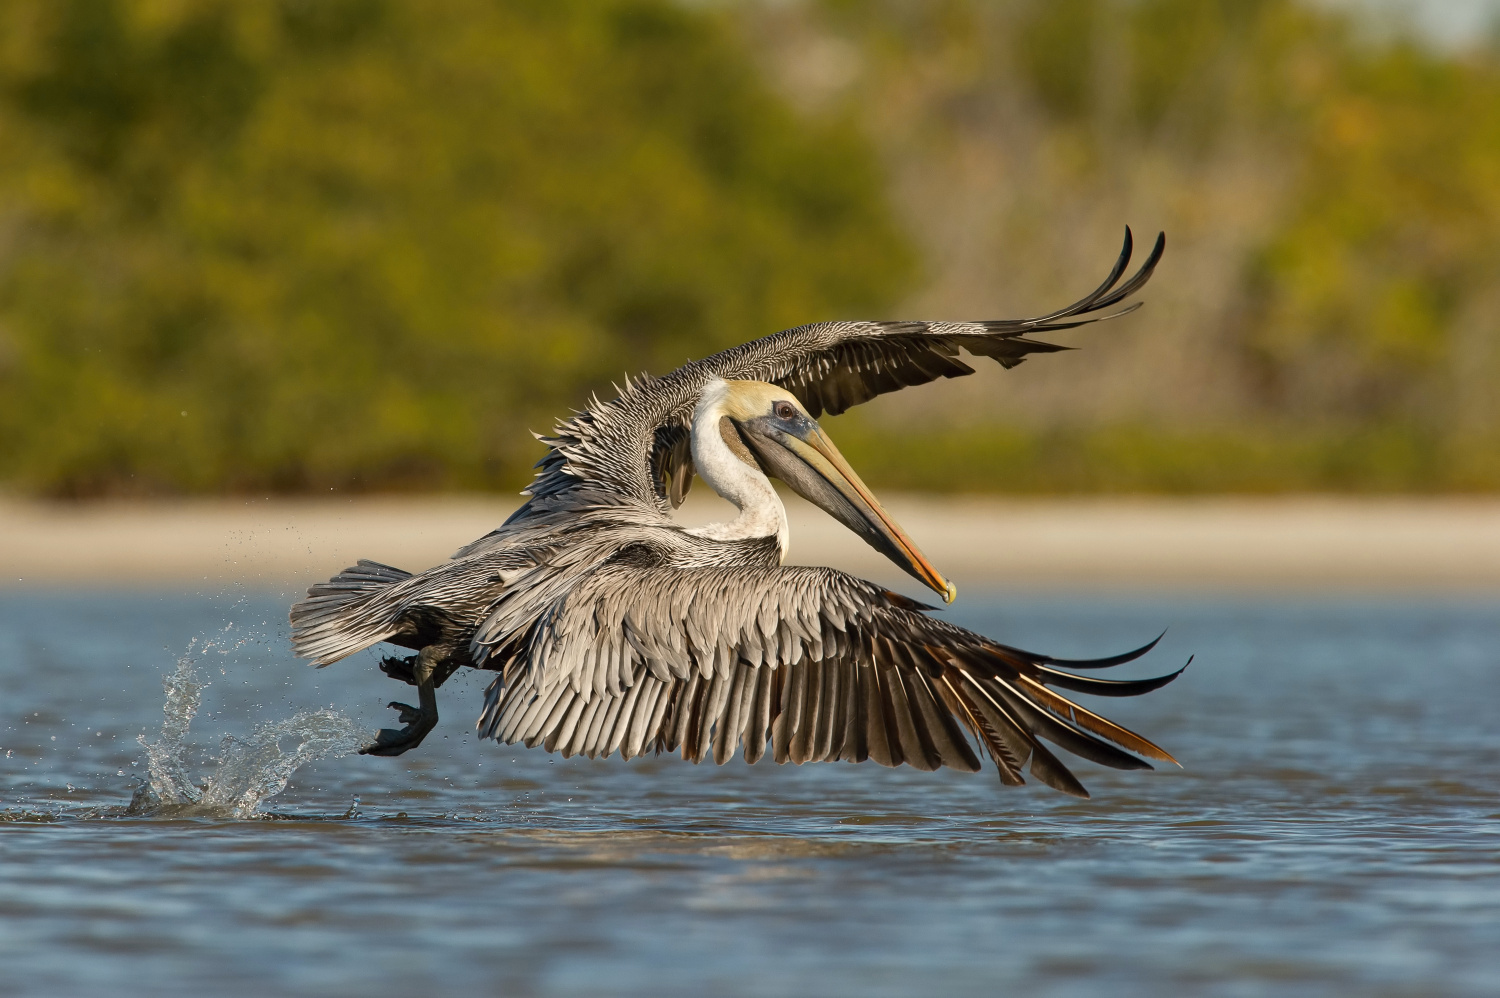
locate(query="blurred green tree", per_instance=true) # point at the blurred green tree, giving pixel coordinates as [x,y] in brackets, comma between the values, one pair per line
[1328,313]
[310,244]
[321,244]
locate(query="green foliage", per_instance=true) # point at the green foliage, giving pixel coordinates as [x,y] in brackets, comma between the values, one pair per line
[1381,283]
[311,244]
[366,243]
[1356,335]
[1371,303]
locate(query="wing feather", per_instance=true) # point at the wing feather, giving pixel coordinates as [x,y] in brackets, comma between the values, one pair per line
[898,710]
[573,743]
[806,665]
[616,737]
[727,733]
[602,725]
[943,733]
[852,744]
[879,723]
[643,720]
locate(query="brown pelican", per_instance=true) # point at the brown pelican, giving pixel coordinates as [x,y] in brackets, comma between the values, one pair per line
[612,628]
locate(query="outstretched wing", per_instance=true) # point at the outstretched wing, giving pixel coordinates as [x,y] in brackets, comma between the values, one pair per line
[832,366]
[815,663]
[636,445]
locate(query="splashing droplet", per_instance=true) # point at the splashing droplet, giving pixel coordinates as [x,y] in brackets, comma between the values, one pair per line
[248,770]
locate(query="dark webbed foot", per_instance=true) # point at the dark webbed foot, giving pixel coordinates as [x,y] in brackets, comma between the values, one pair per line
[404,670]
[418,721]
[394,741]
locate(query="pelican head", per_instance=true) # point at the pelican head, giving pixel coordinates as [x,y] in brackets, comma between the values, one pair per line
[767,428]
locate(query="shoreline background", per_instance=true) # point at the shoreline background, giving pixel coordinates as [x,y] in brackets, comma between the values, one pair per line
[1294,544]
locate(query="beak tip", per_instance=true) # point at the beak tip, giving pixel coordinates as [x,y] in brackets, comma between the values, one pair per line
[950,593]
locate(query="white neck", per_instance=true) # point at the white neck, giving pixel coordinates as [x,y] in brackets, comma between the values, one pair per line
[761,511]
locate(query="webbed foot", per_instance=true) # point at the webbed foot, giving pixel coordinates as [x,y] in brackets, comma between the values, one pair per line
[418,721]
[402,670]
[394,741]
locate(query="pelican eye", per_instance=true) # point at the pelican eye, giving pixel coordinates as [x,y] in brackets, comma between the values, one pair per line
[784,410]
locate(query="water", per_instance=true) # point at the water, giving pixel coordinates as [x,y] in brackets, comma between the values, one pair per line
[1334,830]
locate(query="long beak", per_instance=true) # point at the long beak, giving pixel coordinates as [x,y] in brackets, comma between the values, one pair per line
[814,468]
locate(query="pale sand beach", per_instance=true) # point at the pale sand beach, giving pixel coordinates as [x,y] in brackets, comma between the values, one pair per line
[1309,543]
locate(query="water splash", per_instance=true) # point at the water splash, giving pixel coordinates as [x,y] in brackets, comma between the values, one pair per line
[247,771]
[166,758]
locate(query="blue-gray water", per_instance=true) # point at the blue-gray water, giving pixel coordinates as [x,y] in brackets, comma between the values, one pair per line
[1334,830]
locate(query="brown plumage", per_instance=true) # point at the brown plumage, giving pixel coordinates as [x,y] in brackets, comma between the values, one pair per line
[613,629]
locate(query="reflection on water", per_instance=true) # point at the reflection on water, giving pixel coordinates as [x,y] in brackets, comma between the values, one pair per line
[247,770]
[1335,830]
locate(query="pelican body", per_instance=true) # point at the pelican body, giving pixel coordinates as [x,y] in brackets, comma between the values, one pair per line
[611,628]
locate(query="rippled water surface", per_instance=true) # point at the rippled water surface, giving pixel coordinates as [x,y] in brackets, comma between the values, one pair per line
[1334,830]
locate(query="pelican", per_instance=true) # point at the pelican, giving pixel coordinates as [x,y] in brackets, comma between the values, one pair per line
[614,629]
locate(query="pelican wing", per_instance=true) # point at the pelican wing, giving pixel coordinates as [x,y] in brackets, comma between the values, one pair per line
[635,446]
[812,663]
[833,366]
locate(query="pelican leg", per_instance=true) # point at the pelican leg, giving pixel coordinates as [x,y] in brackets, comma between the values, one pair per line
[419,720]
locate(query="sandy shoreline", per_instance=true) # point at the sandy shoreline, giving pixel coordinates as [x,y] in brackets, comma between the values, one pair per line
[1115,544]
